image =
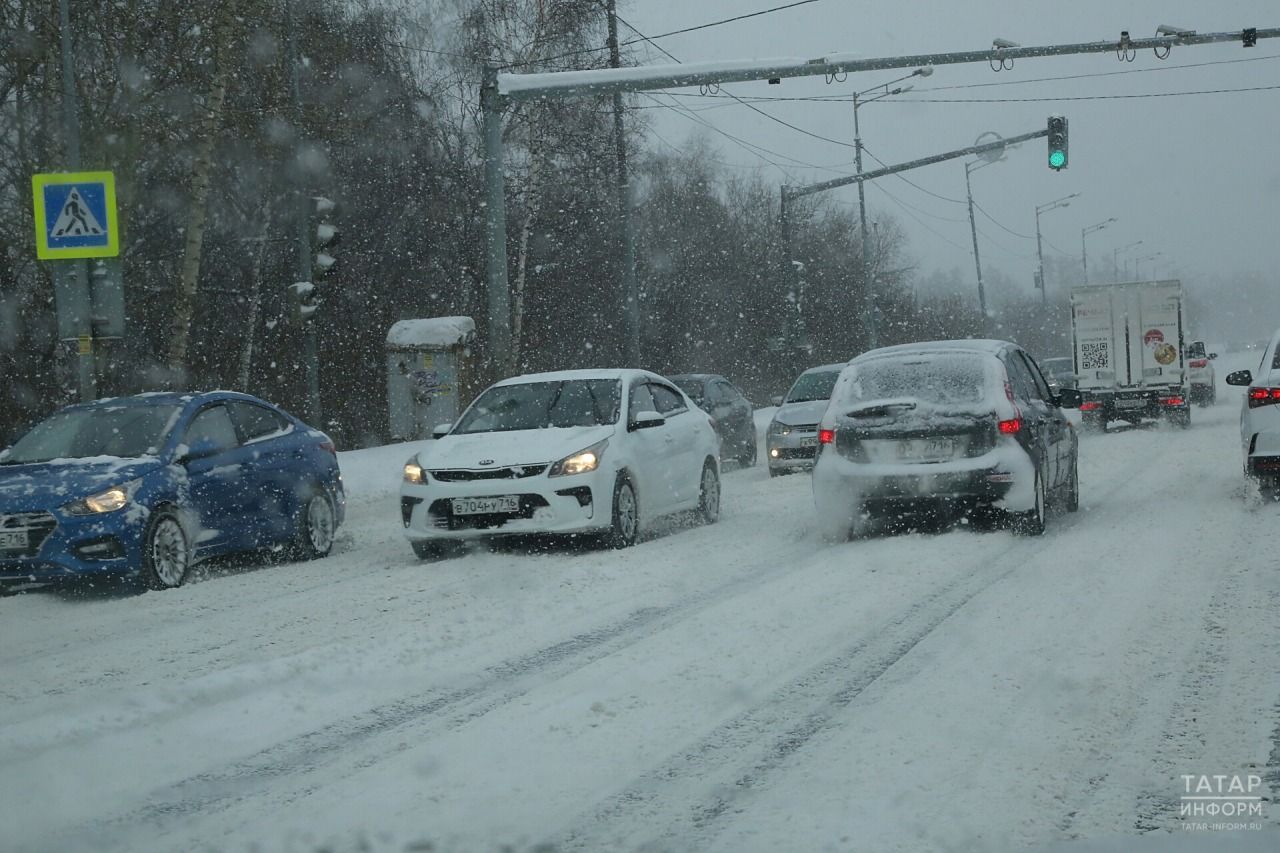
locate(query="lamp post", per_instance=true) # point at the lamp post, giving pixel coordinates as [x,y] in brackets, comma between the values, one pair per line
[1137,264]
[1115,259]
[971,166]
[1065,201]
[869,309]
[1084,232]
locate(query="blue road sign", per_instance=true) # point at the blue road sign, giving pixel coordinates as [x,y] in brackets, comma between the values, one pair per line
[75,215]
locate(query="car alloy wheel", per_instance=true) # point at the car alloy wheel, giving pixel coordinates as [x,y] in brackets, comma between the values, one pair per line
[626,515]
[166,552]
[1031,522]
[709,494]
[316,525]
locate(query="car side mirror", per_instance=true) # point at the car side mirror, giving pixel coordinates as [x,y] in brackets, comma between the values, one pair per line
[202,449]
[1069,398]
[441,430]
[776,399]
[646,420]
[1213,355]
[1240,377]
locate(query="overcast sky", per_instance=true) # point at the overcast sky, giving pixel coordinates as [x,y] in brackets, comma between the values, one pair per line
[1194,177]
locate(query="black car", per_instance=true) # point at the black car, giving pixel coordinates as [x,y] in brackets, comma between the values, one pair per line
[731,411]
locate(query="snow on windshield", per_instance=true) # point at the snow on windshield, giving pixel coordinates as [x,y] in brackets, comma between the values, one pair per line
[539,405]
[944,379]
[120,431]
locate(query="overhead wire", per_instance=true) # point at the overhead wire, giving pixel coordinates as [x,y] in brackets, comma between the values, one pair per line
[1002,225]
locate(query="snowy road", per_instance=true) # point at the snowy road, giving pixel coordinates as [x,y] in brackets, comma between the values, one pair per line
[740,686]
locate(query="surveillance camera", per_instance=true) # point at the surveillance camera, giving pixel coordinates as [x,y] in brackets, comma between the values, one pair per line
[1166,30]
[1001,44]
[924,71]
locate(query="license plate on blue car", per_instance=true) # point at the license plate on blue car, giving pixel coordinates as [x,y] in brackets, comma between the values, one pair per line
[13,540]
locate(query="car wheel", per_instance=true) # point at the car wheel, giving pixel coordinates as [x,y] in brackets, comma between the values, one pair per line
[314,528]
[425,549]
[709,494]
[1073,487]
[166,551]
[626,515]
[1031,522]
[748,458]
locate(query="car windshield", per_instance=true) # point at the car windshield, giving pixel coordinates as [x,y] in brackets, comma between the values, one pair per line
[123,431]
[943,379]
[539,405]
[813,386]
[693,387]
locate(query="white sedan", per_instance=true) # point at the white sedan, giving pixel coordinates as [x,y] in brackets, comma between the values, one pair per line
[599,452]
[1260,419]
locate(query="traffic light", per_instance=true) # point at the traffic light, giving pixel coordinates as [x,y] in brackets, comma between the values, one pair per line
[1057,143]
[325,236]
[302,301]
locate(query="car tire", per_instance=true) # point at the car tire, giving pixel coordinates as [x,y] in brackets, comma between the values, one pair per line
[625,524]
[709,493]
[1031,522]
[750,452]
[425,549]
[314,526]
[166,551]
[1072,502]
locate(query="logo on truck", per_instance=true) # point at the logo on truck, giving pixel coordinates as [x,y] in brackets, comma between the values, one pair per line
[1153,337]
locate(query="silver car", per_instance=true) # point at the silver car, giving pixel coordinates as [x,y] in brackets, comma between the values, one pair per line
[791,442]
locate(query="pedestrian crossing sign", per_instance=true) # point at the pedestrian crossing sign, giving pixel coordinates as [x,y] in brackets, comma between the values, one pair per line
[75,215]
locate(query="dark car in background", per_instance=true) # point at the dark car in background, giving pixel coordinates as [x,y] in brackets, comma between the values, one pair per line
[731,412]
[942,429]
[146,486]
[1060,371]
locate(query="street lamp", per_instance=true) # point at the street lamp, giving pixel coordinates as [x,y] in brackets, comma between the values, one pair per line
[1115,259]
[1137,264]
[868,295]
[1084,232]
[969,167]
[1065,201]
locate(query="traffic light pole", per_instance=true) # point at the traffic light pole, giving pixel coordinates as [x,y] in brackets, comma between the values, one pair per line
[500,90]
[76,270]
[302,224]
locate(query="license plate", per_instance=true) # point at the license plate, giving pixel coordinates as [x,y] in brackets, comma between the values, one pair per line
[13,540]
[926,449]
[1131,404]
[484,506]
[808,442]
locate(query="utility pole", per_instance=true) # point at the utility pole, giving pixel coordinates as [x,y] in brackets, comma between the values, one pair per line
[868,295]
[973,229]
[630,292]
[302,224]
[1115,260]
[76,270]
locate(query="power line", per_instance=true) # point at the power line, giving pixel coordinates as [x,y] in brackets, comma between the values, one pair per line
[725,21]
[1086,97]
[903,178]
[1006,228]
[920,221]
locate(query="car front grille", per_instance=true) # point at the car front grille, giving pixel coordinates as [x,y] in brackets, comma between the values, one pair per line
[38,526]
[462,475]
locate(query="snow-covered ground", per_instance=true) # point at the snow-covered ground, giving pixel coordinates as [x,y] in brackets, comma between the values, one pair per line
[742,686]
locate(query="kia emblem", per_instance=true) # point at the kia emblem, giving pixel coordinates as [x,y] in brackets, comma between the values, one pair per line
[486,461]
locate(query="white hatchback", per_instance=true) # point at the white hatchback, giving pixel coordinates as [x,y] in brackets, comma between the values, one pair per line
[576,452]
[1260,417]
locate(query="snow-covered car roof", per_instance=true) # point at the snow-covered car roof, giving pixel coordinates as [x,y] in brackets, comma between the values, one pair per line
[978,345]
[839,365]
[564,375]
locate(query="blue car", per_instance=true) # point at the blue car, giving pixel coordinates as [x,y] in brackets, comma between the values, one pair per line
[146,486]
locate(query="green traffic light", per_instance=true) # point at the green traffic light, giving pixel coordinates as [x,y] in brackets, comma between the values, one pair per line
[1057,159]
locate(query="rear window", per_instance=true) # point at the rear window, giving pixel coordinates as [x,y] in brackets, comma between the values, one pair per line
[1196,350]
[945,379]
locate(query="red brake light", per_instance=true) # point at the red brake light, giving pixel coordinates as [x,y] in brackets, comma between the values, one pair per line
[1090,406]
[1199,362]
[1173,401]
[1263,396]
[1010,426]
[826,436]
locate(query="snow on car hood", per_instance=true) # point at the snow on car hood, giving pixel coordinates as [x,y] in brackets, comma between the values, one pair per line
[517,447]
[44,484]
[799,414]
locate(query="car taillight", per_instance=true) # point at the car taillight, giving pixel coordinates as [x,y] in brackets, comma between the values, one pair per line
[329,446]
[1263,397]
[826,436]
[1011,426]
[1173,401]
[1090,406]
[1199,362]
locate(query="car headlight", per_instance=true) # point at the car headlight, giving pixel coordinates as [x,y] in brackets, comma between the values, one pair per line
[413,472]
[114,498]
[587,459]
